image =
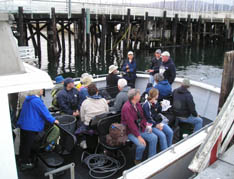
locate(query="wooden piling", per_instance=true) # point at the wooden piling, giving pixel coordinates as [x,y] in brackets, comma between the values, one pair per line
[83,31]
[103,39]
[108,45]
[164,23]
[88,34]
[63,42]
[22,38]
[127,27]
[227,77]
[69,42]
[188,28]
[52,38]
[33,38]
[38,43]
[76,42]
[204,33]
[174,32]
[199,29]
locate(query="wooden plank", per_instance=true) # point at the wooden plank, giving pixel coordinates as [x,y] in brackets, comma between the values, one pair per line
[227,140]
[224,119]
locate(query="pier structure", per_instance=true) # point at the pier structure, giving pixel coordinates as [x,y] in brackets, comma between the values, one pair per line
[102,28]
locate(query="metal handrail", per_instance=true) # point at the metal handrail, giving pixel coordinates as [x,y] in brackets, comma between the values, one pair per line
[70,166]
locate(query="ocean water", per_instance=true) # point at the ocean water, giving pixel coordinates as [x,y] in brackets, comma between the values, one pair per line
[200,63]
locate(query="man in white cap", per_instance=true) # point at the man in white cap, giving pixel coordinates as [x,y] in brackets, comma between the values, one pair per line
[129,67]
[155,64]
[112,81]
[169,67]
[184,106]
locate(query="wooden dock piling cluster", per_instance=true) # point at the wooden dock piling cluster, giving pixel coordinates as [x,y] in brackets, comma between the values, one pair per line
[103,35]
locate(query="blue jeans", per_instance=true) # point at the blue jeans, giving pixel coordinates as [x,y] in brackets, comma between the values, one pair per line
[151,80]
[196,121]
[151,138]
[165,136]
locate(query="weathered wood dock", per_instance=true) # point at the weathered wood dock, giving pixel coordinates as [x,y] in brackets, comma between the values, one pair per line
[102,29]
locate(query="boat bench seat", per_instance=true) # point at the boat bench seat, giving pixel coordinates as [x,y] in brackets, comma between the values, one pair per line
[67,143]
[51,159]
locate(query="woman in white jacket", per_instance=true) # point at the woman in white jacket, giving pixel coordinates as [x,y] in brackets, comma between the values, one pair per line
[92,106]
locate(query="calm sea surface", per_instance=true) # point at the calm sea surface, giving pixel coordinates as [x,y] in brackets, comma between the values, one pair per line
[202,63]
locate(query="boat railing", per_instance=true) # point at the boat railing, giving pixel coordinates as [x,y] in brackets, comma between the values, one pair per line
[70,166]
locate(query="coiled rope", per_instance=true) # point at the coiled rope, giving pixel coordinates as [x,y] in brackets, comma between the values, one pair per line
[101,165]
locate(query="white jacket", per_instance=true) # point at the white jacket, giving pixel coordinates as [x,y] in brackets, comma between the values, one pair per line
[92,107]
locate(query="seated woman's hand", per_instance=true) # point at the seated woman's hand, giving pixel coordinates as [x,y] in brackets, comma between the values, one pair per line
[159,126]
[141,140]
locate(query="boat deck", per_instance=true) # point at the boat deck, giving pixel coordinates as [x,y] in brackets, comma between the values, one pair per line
[81,170]
[222,168]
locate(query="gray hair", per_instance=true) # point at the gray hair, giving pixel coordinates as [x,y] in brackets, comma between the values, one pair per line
[133,92]
[158,77]
[34,92]
[122,82]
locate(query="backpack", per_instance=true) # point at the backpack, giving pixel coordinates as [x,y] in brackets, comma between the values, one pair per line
[117,135]
[54,93]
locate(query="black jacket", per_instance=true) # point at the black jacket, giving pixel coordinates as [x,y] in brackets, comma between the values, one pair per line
[68,101]
[170,71]
[183,104]
[112,84]
[156,63]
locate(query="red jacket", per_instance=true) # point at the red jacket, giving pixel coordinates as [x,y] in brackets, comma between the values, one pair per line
[129,116]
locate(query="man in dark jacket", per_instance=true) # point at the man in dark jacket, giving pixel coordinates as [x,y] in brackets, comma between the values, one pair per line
[168,67]
[122,96]
[68,98]
[112,81]
[156,63]
[184,106]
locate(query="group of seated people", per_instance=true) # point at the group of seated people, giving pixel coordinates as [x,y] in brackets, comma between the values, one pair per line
[144,121]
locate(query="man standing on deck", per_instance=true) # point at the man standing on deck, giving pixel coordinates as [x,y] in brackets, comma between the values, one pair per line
[168,67]
[156,63]
[69,98]
[184,107]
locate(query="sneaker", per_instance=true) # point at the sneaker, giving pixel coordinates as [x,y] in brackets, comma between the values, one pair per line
[26,166]
[83,144]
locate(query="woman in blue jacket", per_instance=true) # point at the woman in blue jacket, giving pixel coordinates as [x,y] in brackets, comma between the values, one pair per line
[151,110]
[129,67]
[31,121]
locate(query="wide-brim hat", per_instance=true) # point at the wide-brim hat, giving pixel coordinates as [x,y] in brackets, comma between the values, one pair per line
[87,80]
[112,68]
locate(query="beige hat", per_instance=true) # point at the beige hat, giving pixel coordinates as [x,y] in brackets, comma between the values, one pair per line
[165,53]
[186,82]
[112,68]
[86,80]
